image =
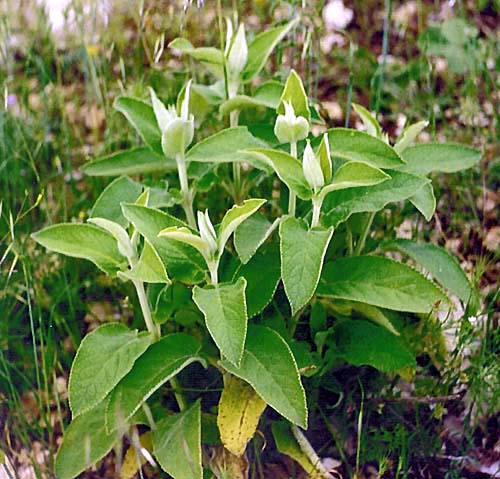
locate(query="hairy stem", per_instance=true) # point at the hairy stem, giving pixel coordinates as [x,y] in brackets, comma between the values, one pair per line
[292,199]
[153,328]
[233,121]
[187,198]
[362,239]
[316,211]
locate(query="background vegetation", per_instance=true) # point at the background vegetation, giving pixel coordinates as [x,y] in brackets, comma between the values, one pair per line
[432,60]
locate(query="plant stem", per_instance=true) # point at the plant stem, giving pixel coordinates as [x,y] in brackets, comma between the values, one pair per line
[316,211]
[153,328]
[181,402]
[233,122]
[213,266]
[292,199]
[187,199]
[362,238]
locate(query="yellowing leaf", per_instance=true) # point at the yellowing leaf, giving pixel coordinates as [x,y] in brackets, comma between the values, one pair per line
[240,408]
[130,465]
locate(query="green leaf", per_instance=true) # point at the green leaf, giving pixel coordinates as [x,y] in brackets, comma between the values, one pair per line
[288,445]
[438,262]
[226,146]
[266,95]
[224,308]
[443,157]
[408,135]
[134,161]
[262,274]
[261,47]
[381,282]
[161,362]
[302,253]
[340,205]
[234,217]
[369,121]
[269,367]
[425,201]
[141,116]
[251,234]
[85,442]
[355,174]
[83,241]
[107,206]
[181,261]
[177,444]
[209,56]
[295,94]
[149,268]
[354,145]
[114,348]
[288,169]
[240,408]
[360,343]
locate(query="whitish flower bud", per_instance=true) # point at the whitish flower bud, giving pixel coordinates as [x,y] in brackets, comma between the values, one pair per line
[238,53]
[177,132]
[207,231]
[312,169]
[290,128]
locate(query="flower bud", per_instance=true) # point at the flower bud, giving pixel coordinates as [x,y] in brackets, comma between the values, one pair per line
[290,128]
[312,169]
[207,231]
[237,54]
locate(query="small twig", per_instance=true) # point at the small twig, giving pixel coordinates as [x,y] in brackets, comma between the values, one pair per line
[420,399]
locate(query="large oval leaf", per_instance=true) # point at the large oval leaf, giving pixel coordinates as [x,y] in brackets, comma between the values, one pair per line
[444,157]
[381,282]
[360,342]
[134,161]
[340,205]
[438,262]
[269,367]
[177,444]
[224,308]
[302,253]
[114,348]
[181,261]
[83,241]
[141,116]
[85,442]
[354,145]
[162,361]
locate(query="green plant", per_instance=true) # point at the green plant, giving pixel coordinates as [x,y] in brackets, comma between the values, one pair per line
[341,304]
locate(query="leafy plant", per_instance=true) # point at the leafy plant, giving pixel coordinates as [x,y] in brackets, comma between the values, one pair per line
[185,263]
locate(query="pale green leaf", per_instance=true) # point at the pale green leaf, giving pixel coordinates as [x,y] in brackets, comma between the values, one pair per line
[114,348]
[439,263]
[408,135]
[354,174]
[149,268]
[354,145]
[261,47]
[234,217]
[239,411]
[224,308]
[302,253]
[425,201]
[184,235]
[379,281]
[295,94]
[360,343]
[371,124]
[107,206]
[177,443]
[129,162]
[251,235]
[161,362]
[181,261]
[442,157]
[209,56]
[266,95]
[340,205]
[141,116]
[226,146]
[269,367]
[119,233]
[85,442]
[83,241]
[288,169]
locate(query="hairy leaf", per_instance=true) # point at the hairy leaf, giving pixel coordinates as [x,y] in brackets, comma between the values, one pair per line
[251,234]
